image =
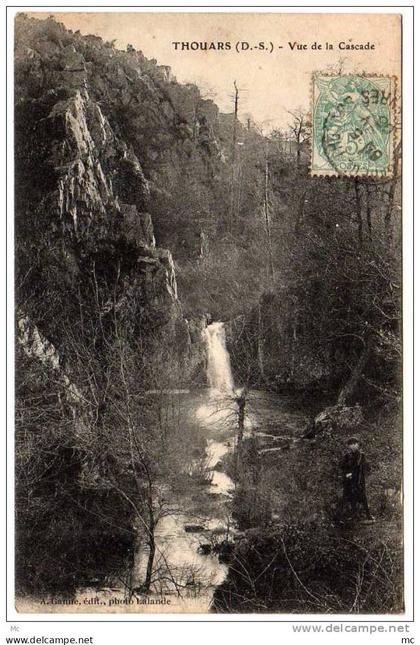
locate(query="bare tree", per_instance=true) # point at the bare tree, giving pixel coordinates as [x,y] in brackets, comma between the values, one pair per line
[299,130]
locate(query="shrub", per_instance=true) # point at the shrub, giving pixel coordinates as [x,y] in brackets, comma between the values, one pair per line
[310,569]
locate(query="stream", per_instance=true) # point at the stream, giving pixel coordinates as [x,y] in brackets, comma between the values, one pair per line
[187,565]
[190,575]
[189,543]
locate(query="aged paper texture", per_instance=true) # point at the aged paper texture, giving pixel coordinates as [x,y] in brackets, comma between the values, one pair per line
[208,309]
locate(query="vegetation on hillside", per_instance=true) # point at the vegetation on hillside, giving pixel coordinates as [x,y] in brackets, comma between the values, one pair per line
[115,162]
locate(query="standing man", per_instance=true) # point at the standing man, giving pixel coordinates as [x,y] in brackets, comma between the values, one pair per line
[354,469]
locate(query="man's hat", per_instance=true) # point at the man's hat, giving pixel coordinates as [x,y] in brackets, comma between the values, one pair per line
[352,440]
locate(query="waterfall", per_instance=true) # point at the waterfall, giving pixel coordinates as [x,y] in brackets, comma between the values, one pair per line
[219,373]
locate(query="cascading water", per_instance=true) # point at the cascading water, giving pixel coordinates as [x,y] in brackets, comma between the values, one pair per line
[177,546]
[219,372]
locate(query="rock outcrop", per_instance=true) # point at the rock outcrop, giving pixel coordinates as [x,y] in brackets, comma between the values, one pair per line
[38,348]
[337,418]
[81,191]
[103,138]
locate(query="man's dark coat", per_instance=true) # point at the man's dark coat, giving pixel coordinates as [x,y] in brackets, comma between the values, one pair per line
[354,487]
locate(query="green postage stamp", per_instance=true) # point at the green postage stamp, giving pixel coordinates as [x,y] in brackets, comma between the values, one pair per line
[353,125]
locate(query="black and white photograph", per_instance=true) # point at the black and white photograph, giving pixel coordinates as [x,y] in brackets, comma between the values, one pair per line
[208,299]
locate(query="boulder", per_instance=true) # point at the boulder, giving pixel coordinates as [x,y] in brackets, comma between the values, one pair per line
[137,228]
[220,530]
[339,418]
[193,528]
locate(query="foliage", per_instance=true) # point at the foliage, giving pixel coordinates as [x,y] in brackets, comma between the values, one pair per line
[306,270]
[308,568]
[67,534]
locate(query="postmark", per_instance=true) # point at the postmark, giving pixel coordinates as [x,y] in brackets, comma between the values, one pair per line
[353,125]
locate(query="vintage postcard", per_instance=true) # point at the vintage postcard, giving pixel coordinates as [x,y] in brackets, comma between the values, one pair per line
[208,363]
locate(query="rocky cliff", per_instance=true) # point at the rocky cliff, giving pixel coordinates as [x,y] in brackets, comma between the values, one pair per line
[101,135]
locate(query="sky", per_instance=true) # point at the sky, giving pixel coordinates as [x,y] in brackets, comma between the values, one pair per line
[271,83]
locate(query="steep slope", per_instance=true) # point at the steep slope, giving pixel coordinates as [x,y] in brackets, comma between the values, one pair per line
[95,295]
[100,135]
